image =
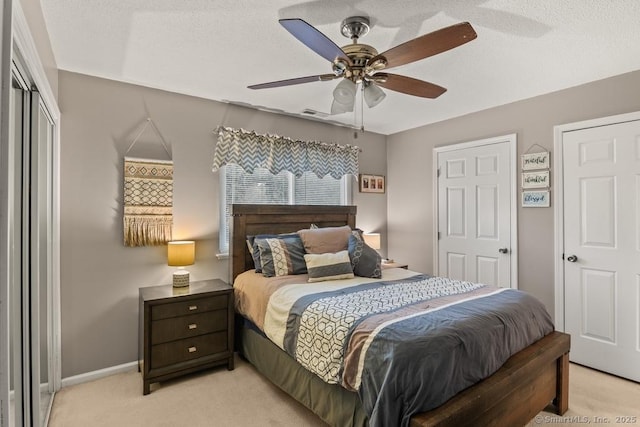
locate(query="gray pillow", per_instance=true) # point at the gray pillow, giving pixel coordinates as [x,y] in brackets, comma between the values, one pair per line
[255,251]
[365,260]
[328,266]
[281,256]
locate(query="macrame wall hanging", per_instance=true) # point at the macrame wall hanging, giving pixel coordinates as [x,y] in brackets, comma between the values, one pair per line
[148,197]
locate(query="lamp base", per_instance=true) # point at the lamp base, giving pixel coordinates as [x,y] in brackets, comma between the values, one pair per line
[180,279]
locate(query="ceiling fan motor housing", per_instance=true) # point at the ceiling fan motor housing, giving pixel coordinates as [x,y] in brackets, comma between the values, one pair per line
[359,54]
[355,27]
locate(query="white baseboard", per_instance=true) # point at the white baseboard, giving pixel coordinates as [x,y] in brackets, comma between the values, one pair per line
[101,373]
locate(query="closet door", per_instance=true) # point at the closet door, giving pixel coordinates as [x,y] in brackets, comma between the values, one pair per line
[16,273]
[476,206]
[29,263]
[40,264]
[30,245]
[601,171]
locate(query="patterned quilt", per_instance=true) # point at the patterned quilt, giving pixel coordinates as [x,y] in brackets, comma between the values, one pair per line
[405,345]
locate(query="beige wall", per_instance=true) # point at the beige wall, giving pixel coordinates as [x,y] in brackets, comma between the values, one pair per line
[99,276]
[409,166]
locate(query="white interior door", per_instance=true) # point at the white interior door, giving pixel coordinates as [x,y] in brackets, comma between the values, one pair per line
[476,211]
[602,246]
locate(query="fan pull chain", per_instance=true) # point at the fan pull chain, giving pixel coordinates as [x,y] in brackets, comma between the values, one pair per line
[362,107]
[355,113]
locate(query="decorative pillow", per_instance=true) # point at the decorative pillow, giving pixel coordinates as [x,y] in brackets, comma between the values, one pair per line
[281,256]
[255,252]
[326,239]
[250,240]
[365,261]
[328,266]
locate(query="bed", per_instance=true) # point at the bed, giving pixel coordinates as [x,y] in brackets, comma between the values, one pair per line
[527,383]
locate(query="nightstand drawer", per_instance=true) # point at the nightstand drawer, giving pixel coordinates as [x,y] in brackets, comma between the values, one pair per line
[188,326]
[188,349]
[164,311]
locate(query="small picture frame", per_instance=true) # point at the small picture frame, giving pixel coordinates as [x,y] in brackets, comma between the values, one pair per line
[534,161]
[537,179]
[535,199]
[372,183]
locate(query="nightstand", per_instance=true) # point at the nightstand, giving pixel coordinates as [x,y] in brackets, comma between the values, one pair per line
[394,265]
[183,330]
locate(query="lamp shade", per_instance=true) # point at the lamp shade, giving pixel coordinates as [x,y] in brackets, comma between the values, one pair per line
[181,253]
[345,92]
[373,95]
[338,108]
[372,240]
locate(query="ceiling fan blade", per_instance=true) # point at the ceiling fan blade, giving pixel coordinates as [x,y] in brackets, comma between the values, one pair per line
[314,39]
[408,85]
[428,45]
[296,81]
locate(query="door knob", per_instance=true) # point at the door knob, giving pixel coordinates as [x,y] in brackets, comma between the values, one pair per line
[503,250]
[572,258]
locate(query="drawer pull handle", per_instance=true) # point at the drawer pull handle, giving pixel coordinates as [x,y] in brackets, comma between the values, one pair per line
[193,307]
[193,326]
[193,349]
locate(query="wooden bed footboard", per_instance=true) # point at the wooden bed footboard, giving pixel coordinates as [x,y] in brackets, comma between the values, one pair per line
[525,385]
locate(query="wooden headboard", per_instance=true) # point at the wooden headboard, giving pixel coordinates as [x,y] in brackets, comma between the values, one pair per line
[249,220]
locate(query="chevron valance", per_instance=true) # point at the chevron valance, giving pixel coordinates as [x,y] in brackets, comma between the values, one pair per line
[250,150]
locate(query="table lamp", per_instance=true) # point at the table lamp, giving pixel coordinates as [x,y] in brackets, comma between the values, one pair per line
[181,253]
[372,240]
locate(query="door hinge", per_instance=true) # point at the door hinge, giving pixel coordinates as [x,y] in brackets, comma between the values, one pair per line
[438,235]
[563,255]
[438,175]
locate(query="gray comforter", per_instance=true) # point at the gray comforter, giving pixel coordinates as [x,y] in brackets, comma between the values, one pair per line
[407,346]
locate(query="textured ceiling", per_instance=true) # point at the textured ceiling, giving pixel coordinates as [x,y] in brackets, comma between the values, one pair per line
[215,48]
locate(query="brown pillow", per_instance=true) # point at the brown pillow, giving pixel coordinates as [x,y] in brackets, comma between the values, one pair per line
[325,240]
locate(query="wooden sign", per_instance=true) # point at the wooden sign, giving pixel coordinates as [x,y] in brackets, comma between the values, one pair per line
[535,161]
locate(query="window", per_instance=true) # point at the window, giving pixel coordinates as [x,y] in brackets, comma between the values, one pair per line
[281,171]
[262,187]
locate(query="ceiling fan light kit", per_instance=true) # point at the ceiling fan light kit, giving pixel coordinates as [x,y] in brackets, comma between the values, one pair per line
[338,108]
[373,95]
[358,63]
[344,92]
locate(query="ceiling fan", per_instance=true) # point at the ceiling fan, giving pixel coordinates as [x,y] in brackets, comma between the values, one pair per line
[360,63]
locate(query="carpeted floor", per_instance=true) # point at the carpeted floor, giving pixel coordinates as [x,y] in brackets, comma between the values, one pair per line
[215,397]
[242,397]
